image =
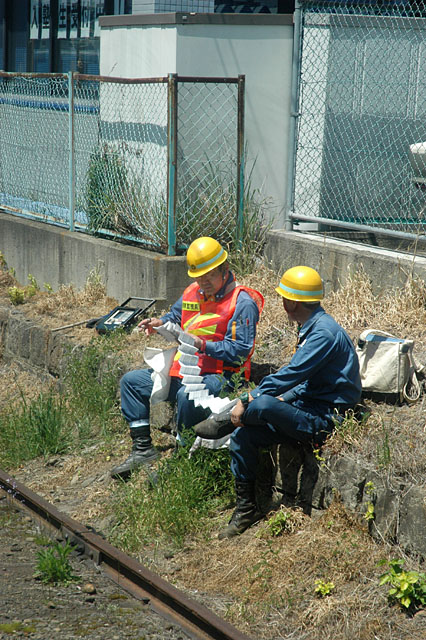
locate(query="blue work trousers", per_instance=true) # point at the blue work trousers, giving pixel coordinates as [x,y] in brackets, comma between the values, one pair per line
[268,421]
[136,388]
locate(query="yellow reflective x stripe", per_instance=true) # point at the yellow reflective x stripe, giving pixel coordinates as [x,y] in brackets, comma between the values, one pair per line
[200,318]
[204,331]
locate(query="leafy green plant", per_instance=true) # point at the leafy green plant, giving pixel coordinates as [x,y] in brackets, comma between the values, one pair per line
[370,491]
[369,511]
[261,572]
[279,523]
[16,295]
[407,588]
[33,287]
[323,588]
[53,565]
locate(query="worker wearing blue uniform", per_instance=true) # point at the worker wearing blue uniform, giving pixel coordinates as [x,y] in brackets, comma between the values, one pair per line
[222,317]
[302,400]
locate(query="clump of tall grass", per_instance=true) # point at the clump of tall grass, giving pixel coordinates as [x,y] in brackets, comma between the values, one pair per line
[59,419]
[33,429]
[91,377]
[188,490]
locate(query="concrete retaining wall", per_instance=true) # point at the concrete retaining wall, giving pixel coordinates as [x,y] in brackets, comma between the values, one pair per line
[336,259]
[58,256]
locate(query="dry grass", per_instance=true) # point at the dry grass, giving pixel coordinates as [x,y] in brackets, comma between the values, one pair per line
[267,586]
[402,311]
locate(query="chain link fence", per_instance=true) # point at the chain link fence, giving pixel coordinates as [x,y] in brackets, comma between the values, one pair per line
[361,126]
[155,161]
[33,144]
[207,166]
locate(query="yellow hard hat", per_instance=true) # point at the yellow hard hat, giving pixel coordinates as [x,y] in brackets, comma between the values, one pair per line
[302,284]
[203,255]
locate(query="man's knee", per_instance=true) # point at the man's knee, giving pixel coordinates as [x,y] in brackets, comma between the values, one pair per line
[261,403]
[137,380]
[125,381]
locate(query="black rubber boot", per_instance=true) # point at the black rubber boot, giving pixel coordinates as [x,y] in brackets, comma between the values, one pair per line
[246,512]
[142,453]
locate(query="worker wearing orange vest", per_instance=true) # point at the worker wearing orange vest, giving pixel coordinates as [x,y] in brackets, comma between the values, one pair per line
[222,317]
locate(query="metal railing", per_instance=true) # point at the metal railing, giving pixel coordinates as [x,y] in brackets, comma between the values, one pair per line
[156,161]
[359,107]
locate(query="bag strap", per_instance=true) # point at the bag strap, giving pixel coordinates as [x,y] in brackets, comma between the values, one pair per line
[377,332]
[412,389]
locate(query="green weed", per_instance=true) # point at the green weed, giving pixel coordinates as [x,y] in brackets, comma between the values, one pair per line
[55,421]
[33,287]
[53,565]
[407,588]
[91,379]
[16,295]
[323,588]
[279,523]
[246,249]
[106,179]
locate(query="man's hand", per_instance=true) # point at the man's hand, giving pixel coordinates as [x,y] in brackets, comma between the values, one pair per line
[147,325]
[237,413]
[198,343]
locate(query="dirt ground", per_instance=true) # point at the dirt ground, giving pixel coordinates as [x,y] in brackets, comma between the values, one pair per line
[261,586]
[92,607]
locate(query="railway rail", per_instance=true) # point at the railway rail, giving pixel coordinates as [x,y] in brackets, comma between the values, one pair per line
[196,620]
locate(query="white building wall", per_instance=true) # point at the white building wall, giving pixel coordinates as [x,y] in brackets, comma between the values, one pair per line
[260,47]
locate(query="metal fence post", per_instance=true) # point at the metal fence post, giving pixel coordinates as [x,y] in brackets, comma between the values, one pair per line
[240,158]
[71,171]
[171,162]
[294,114]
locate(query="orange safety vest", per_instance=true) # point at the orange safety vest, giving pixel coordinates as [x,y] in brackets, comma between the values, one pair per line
[210,318]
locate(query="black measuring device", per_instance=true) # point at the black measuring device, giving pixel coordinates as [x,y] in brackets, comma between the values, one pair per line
[124,316]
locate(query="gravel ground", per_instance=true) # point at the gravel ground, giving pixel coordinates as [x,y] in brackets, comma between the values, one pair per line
[93,608]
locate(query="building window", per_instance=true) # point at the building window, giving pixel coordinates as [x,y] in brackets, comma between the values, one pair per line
[54,35]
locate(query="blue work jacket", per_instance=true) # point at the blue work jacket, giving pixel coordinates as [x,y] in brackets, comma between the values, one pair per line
[324,370]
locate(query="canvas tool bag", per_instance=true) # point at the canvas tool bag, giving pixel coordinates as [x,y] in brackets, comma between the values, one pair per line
[387,365]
